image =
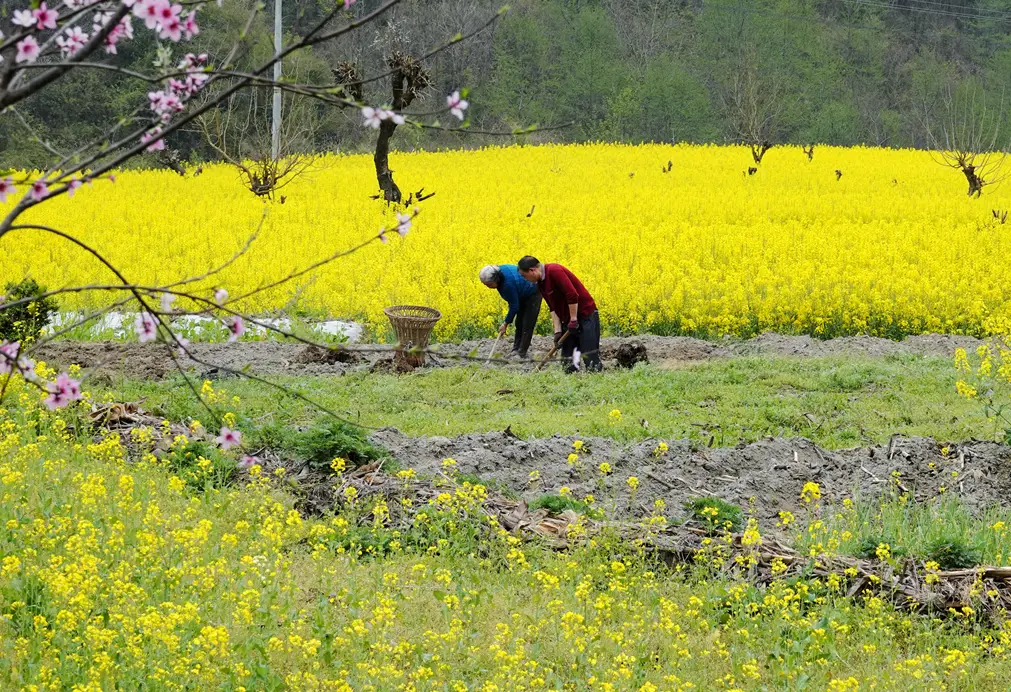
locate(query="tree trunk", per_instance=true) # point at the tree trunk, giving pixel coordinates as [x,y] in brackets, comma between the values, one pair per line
[975,182]
[391,193]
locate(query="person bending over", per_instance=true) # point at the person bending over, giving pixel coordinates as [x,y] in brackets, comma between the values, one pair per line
[523,299]
[573,311]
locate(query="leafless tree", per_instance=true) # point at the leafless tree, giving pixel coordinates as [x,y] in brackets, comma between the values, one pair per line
[967,136]
[754,105]
[239,131]
[408,79]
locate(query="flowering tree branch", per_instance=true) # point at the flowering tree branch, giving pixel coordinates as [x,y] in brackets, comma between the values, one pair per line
[44,45]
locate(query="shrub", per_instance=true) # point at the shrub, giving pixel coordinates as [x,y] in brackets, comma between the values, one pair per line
[715,515]
[26,321]
[321,443]
[556,504]
[953,553]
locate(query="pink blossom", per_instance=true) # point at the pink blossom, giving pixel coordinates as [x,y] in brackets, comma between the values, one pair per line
[147,327]
[220,296]
[6,188]
[237,327]
[150,11]
[39,190]
[456,104]
[72,187]
[164,103]
[71,41]
[153,136]
[171,29]
[45,18]
[190,25]
[183,342]
[228,438]
[372,117]
[26,366]
[8,356]
[99,20]
[348,4]
[247,462]
[397,118]
[61,392]
[23,18]
[382,235]
[403,224]
[28,50]
[123,30]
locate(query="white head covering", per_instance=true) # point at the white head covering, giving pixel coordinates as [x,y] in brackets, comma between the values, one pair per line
[488,273]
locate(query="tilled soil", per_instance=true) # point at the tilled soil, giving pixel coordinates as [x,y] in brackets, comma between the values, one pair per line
[767,475]
[154,361]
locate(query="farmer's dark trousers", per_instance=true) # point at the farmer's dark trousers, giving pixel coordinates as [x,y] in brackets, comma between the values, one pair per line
[526,320]
[588,341]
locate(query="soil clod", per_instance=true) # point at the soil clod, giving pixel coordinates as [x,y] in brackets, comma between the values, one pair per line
[628,354]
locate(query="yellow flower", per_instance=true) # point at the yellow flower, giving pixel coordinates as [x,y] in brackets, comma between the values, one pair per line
[605,468]
[615,416]
[965,389]
[577,445]
[632,482]
[810,492]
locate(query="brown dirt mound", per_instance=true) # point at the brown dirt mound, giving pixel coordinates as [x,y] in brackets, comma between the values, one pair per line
[628,355]
[772,472]
[326,356]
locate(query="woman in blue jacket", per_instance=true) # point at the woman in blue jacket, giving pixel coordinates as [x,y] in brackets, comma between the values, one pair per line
[524,303]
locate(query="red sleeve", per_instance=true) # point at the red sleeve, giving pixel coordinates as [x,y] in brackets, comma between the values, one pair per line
[571,294]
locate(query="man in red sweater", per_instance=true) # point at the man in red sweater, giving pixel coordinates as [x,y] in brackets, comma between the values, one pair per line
[573,311]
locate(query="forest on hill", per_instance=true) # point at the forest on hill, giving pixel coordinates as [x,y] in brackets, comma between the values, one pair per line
[845,72]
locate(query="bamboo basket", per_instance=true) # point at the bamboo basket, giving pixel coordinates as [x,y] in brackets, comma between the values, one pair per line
[413,325]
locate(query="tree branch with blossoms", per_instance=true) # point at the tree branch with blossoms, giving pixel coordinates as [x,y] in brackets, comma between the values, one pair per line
[43,45]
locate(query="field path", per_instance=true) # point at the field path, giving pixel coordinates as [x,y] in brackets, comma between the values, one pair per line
[150,361]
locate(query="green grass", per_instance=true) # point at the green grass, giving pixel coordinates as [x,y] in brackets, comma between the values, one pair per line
[837,402]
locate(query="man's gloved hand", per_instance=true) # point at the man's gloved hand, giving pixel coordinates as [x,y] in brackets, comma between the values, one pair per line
[573,325]
[558,337]
[502,329]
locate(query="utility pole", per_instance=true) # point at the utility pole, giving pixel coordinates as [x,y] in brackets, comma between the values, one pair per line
[275,130]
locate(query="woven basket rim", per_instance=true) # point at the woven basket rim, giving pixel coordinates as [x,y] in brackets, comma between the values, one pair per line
[393,312]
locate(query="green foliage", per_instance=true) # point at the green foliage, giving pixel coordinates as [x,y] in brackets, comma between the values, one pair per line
[26,321]
[556,504]
[953,552]
[715,515]
[844,73]
[322,442]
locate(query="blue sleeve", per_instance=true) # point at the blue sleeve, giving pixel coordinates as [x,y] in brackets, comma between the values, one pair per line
[510,295]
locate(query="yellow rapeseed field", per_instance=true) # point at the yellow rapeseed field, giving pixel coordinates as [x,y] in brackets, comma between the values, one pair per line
[891,247]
